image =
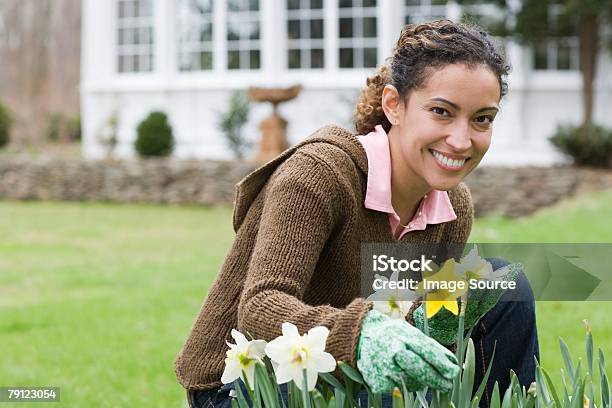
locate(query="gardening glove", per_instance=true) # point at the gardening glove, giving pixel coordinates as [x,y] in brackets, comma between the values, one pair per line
[391,350]
[444,324]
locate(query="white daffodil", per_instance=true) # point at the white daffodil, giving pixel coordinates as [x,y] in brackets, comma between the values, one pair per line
[395,302]
[292,353]
[242,356]
[395,309]
[473,266]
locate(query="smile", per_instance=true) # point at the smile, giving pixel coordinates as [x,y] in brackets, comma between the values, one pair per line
[448,163]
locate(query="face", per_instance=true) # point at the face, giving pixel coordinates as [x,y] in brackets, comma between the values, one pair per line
[443,130]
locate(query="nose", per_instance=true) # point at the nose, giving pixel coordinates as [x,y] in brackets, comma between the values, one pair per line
[459,139]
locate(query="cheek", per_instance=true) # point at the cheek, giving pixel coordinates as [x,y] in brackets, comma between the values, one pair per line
[482,142]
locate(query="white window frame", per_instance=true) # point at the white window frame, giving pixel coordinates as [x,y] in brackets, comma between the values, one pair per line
[553,45]
[358,42]
[134,50]
[198,46]
[305,44]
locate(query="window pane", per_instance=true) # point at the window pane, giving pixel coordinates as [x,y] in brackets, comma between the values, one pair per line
[233,31]
[346,27]
[293,29]
[253,5]
[345,3]
[316,28]
[438,2]
[369,57]
[203,6]
[316,4]
[541,56]
[563,57]
[206,60]
[254,57]
[233,59]
[206,32]
[316,58]
[145,8]
[253,30]
[294,59]
[293,4]
[369,27]
[234,5]
[346,57]
[369,3]
[134,28]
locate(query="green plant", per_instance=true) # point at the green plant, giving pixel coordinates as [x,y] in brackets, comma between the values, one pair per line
[63,127]
[232,122]
[587,146]
[6,121]
[154,136]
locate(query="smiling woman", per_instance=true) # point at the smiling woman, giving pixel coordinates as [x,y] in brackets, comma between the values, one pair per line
[423,123]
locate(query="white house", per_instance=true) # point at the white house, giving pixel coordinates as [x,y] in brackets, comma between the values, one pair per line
[186,57]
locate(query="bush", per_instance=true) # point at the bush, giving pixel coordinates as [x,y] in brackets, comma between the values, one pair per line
[6,121]
[154,136]
[591,148]
[233,120]
[64,128]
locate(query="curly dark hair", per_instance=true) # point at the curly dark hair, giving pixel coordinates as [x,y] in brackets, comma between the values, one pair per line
[419,50]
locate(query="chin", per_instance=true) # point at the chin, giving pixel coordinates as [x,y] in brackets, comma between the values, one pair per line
[445,185]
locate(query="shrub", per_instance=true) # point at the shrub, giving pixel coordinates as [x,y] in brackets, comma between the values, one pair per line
[233,120]
[154,136]
[63,127]
[591,148]
[6,121]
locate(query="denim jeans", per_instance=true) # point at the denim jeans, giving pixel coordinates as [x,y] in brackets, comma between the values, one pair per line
[511,323]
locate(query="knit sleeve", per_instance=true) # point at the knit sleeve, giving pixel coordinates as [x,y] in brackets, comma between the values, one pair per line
[301,208]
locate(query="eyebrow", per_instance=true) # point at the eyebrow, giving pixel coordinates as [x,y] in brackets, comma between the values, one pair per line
[455,106]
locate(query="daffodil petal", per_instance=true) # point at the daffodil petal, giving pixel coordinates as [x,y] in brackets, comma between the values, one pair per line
[290,330]
[452,307]
[433,307]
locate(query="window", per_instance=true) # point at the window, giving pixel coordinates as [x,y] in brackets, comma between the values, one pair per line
[135,36]
[358,33]
[305,32]
[419,11]
[243,34]
[561,53]
[194,34]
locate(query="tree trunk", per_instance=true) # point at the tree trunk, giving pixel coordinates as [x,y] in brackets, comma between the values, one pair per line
[588,32]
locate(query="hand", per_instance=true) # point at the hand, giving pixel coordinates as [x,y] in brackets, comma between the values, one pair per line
[443,326]
[392,350]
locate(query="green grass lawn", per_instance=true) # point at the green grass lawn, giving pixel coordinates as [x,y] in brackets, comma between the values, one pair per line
[97,299]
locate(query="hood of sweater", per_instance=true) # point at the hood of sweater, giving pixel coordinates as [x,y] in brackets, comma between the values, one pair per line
[248,188]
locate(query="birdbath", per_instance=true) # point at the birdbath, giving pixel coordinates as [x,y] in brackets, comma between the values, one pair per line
[273,128]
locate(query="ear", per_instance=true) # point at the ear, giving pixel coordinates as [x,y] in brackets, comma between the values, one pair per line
[391,104]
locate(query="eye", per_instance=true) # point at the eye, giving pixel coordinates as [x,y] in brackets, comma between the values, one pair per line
[440,111]
[485,119]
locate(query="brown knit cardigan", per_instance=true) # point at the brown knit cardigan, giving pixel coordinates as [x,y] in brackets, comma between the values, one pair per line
[299,222]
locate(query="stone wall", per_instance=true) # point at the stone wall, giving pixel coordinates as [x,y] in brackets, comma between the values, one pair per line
[495,190]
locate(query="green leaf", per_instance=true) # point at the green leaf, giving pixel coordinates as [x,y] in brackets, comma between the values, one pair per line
[541,389]
[577,398]
[351,372]
[333,381]
[483,384]
[319,401]
[495,403]
[242,402]
[467,380]
[507,398]
[267,390]
[567,359]
[589,351]
[552,389]
[340,398]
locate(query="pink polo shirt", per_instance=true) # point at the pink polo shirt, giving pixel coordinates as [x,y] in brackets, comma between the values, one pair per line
[435,207]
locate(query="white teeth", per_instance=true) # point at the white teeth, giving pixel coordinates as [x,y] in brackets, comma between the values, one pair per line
[447,161]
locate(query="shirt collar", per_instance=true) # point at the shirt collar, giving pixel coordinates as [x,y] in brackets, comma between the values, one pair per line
[435,208]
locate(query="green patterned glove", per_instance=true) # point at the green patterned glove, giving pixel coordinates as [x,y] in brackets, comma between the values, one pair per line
[443,326]
[391,350]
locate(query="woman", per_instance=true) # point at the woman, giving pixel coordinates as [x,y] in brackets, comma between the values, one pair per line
[424,121]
